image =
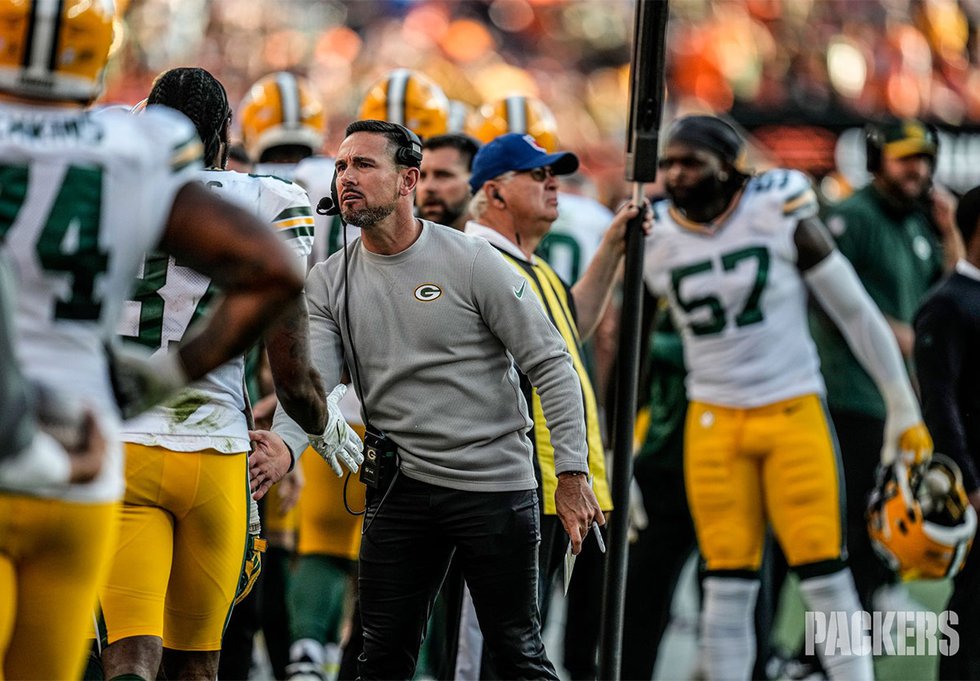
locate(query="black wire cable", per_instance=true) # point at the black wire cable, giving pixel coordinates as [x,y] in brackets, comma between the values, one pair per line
[355,368]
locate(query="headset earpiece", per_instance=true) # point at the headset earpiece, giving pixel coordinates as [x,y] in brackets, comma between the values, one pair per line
[410,148]
[932,134]
[330,205]
[874,144]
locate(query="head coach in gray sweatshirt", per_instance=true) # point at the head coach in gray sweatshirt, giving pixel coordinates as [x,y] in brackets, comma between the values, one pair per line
[431,322]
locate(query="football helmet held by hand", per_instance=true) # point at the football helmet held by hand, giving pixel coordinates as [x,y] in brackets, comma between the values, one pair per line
[920,520]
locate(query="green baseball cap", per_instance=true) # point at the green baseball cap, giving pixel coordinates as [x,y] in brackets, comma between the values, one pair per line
[908,138]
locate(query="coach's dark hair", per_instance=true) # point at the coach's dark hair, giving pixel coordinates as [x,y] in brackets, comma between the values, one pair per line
[198,95]
[407,145]
[464,144]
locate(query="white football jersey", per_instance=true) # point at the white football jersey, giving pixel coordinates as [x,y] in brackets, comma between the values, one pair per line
[574,237]
[169,298]
[737,296]
[82,197]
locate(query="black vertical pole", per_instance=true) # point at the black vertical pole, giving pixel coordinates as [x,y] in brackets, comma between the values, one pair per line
[646,107]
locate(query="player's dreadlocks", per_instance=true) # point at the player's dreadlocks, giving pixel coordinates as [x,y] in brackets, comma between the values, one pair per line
[199,96]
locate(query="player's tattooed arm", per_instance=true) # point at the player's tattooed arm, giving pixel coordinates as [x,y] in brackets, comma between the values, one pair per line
[299,386]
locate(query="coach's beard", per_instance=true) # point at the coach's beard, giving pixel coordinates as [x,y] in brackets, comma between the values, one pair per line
[367,217]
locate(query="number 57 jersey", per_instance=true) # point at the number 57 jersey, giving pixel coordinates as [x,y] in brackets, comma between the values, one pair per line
[736,294]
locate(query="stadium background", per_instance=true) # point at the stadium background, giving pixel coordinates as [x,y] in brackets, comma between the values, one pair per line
[800,76]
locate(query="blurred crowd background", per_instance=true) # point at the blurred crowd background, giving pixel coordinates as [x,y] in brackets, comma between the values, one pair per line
[800,76]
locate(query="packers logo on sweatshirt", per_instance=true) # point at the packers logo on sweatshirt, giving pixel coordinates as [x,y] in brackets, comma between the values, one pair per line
[427,292]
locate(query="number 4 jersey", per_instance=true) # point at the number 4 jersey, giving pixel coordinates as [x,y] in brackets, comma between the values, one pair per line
[736,294]
[82,196]
[169,298]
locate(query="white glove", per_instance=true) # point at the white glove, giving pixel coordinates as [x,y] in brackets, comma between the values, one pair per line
[338,441]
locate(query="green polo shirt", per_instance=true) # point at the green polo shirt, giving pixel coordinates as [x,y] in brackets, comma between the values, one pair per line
[898,258]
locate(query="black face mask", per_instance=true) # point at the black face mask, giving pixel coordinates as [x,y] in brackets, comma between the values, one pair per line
[699,195]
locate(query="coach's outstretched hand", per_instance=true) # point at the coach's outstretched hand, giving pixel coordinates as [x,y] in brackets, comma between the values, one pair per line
[268,463]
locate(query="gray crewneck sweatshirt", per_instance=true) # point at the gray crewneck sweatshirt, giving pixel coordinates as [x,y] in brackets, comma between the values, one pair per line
[437,329]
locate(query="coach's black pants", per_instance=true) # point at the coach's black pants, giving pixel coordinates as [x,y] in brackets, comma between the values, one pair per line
[404,557]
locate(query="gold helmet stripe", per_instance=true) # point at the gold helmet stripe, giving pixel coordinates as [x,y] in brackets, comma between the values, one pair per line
[516,113]
[397,95]
[288,98]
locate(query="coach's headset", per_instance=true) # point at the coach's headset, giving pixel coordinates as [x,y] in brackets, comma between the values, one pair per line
[409,153]
[875,141]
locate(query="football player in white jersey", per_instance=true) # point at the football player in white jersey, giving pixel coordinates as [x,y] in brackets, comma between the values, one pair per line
[736,255]
[82,198]
[61,432]
[185,514]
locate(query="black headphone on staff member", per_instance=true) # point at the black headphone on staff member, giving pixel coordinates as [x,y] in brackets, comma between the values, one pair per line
[409,153]
[410,150]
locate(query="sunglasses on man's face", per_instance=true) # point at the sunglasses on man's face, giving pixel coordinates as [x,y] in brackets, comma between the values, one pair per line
[538,174]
